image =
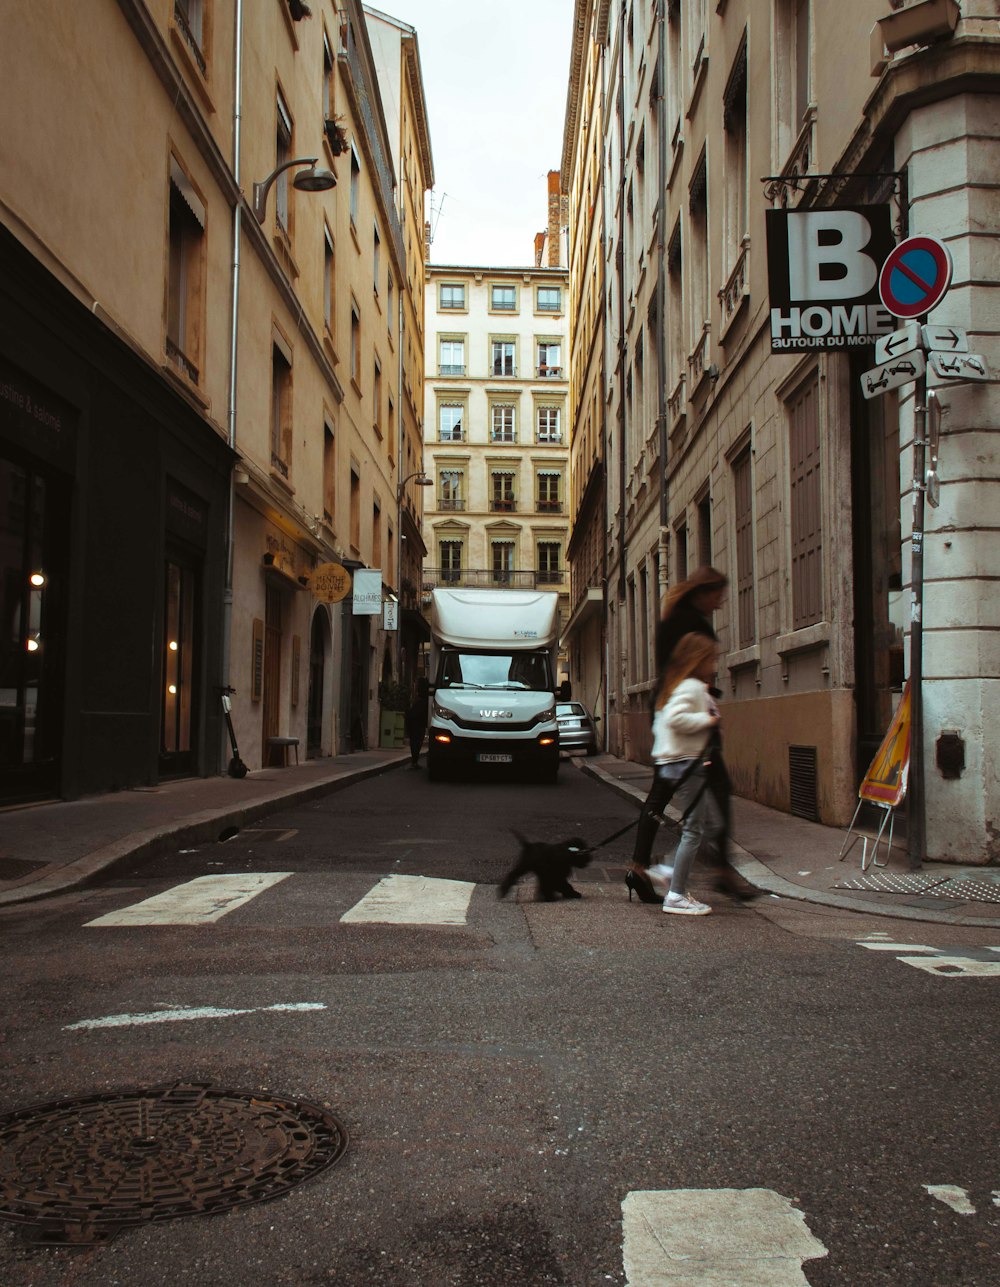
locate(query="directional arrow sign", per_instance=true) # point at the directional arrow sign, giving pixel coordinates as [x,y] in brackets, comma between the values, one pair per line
[890,375]
[956,366]
[946,339]
[905,340]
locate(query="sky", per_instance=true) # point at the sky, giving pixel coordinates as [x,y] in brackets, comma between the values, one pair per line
[495,78]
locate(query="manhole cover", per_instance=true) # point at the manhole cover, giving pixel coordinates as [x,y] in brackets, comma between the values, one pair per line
[78,1171]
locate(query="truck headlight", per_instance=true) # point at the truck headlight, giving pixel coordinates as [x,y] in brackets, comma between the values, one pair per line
[442,712]
[547,715]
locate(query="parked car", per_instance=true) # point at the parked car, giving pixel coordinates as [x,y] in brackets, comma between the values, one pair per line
[577,730]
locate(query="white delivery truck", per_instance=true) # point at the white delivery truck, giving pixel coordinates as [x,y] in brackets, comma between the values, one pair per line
[492,680]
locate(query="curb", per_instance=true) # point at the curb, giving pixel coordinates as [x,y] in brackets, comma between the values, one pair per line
[763,878]
[193,829]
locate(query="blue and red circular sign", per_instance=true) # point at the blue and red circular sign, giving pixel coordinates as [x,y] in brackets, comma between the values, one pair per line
[915,276]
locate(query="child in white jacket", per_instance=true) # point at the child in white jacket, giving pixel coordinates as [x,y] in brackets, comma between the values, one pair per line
[686,716]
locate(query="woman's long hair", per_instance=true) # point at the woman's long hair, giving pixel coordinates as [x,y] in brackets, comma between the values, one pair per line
[690,652]
[701,579]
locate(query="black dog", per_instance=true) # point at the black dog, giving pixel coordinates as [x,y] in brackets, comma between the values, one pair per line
[550,864]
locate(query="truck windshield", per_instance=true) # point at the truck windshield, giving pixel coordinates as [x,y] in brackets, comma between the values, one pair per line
[528,670]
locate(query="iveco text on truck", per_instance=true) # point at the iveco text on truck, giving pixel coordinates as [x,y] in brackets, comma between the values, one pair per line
[492,680]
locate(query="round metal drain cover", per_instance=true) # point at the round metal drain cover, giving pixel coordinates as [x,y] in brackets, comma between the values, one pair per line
[78,1171]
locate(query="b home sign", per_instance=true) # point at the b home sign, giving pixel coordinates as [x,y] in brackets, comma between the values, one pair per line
[823,271]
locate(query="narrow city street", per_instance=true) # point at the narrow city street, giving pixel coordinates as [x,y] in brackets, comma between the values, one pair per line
[579,1092]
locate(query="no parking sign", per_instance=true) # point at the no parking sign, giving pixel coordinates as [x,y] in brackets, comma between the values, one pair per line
[915,276]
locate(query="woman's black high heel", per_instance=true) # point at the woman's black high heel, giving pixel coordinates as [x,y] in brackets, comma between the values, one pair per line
[639,882]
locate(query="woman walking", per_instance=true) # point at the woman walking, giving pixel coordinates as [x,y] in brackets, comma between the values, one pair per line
[687,609]
[685,746]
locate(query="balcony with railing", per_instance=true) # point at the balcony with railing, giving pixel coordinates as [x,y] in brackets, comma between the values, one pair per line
[454,503]
[498,578]
[548,506]
[550,373]
[503,504]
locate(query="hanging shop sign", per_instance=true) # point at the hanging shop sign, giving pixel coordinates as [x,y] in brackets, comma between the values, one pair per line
[367,600]
[823,272]
[330,582]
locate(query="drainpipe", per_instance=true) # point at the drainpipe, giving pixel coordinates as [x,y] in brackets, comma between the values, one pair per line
[661,293]
[227,601]
[620,684]
[605,634]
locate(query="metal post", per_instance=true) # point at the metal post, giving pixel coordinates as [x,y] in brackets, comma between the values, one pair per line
[917,805]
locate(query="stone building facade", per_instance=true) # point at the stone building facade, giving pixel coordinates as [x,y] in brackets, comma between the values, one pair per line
[582,160]
[209,330]
[771,465]
[496,427]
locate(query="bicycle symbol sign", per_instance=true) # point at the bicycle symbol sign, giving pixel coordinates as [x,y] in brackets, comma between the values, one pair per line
[915,276]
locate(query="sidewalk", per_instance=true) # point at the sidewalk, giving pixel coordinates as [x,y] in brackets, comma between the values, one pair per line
[46,849]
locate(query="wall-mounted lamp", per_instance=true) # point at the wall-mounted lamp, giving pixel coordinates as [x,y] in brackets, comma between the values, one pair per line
[312,180]
[420,479]
[713,373]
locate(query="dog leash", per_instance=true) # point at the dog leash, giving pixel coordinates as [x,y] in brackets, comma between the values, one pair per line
[660,818]
[614,836]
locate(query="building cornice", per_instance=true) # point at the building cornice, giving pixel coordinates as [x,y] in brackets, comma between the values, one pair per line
[962,65]
[411,52]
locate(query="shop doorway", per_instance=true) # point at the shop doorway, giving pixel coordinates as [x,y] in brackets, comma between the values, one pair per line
[33,513]
[359,683]
[318,648]
[879,609]
[272,669]
[179,700]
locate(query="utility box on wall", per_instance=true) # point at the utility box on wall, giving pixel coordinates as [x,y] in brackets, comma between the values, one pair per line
[391,732]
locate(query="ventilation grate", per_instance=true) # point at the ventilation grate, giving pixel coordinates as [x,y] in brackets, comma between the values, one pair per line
[802,781]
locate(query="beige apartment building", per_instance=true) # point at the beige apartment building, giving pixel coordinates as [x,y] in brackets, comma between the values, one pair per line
[582,162]
[397,62]
[496,427]
[736,432]
[204,384]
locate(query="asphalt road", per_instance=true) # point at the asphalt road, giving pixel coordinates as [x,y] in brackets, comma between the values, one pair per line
[509,1081]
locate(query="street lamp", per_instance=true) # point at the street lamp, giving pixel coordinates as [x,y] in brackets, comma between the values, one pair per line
[422,481]
[312,181]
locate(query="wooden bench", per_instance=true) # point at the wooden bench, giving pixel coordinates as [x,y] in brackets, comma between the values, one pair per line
[282,744]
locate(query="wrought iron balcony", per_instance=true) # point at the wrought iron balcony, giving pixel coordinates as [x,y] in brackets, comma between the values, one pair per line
[504,578]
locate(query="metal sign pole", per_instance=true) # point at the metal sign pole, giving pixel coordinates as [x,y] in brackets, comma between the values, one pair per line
[917,812]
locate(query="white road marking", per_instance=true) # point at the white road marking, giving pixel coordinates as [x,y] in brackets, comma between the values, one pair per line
[952,1196]
[188,1012]
[944,962]
[895,947]
[953,967]
[413,900]
[196,902]
[715,1238]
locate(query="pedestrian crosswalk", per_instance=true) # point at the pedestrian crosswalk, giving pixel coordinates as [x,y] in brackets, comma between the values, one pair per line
[413,900]
[197,902]
[945,962]
[394,900]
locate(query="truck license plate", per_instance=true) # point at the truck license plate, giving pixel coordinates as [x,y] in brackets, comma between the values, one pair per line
[485,757]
